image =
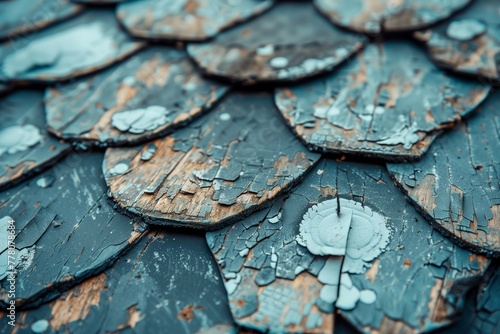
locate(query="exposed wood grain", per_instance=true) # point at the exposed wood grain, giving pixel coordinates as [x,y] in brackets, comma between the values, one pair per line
[161,78]
[88,43]
[25,16]
[373,17]
[468,43]
[164,275]
[419,279]
[186,20]
[288,43]
[390,102]
[213,171]
[456,185]
[66,231]
[25,147]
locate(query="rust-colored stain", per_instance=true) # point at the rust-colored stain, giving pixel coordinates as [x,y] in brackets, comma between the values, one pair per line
[77,303]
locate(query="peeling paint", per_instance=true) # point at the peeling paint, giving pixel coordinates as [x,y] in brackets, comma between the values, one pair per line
[390,102]
[212,171]
[277,270]
[88,43]
[140,120]
[65,232]
[25,16]
[142,98]
[375,17]
[469,43]
[456,185]
[186,20]
[142,292]
[288,43]
[25,148]
[18,138]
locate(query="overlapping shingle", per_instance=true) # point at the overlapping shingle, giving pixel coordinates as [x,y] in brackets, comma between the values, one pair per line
[214,170]
[392,269]
[143,97]
[66,231]
[24,16]
[145,291]
[373,17]
[389,102]
[290,42]
[456,185]
[25,146]
[80,46]
[186,20]
[468,43]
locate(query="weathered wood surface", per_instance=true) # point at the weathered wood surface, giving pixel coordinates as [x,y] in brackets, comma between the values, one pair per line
[66,231]
[290,42]
[456,185]
[20,17]
[469,42]
[186,20]
[218,168]
[167,284]
[398,275]
[389,102]
[26,147]
[142,98]
[374,17]
[85,44]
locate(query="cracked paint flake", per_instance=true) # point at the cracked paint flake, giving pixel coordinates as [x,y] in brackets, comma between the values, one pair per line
[419,281]
[457,185]
[211,172]
[141,292]
[80,46]
[65,232]
[468,43]
[374,17]
[160,82]
[25,16]
[25,147]
[186,20]
[390,102]
[288,43]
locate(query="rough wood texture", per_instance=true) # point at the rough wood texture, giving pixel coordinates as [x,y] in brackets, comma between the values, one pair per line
[66,231]
[24,16]
[456,185]
[212,171]
[88,43]
[25,147]
[419,279]
[468,43]
[142,98]
[167,283]
[373,17]
[186,20]
[389,102]
[288,43]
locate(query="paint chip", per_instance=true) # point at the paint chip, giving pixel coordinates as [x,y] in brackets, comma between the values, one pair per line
[140,120]
[466,29]
[18,138]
